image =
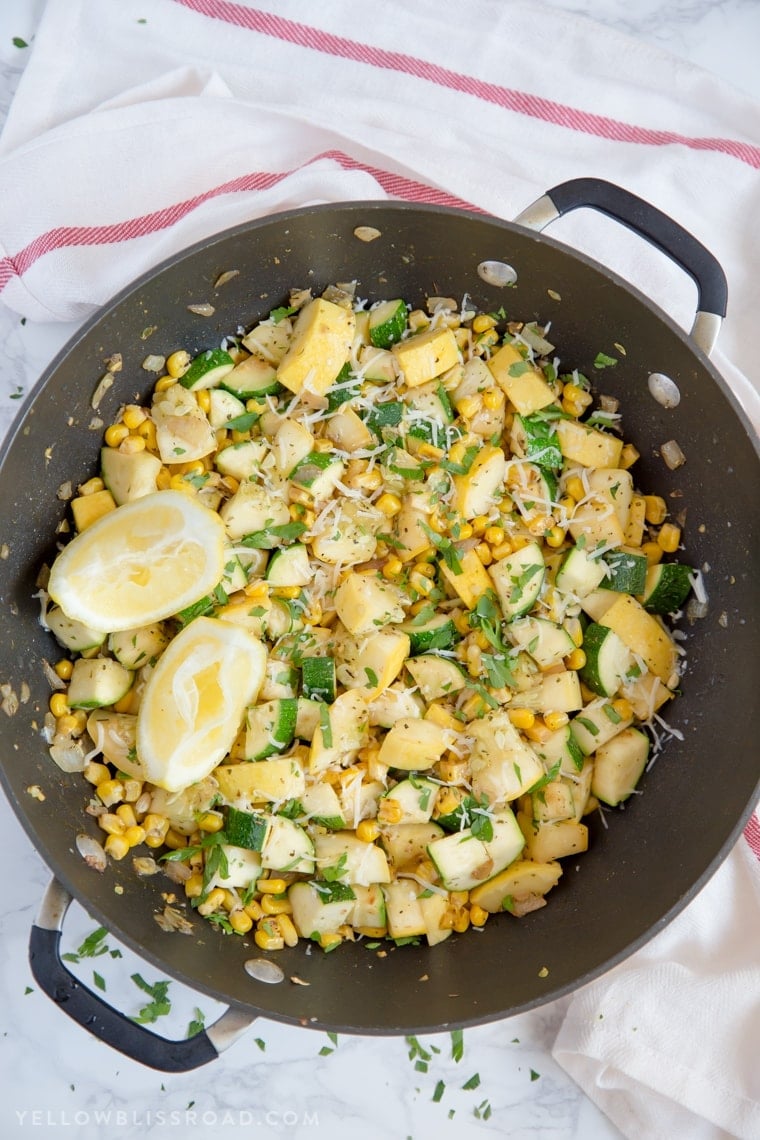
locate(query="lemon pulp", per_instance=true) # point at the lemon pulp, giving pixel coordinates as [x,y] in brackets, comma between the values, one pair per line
[143,562]
[194,701]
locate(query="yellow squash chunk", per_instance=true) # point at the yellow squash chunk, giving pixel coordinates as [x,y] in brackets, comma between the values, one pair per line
[348,432]
[647,694]
[643,634]
[413,745]
[587,446]
[377,664]
[477,491]
[348,726]
[365,604]
[320,346]
[426,355]
[597,522]
[524,386]
[503,765]
[472,582]
[634,532]
[545,842]
[259,781]
[520,880]
[409,524]
[87,509]
[292,443]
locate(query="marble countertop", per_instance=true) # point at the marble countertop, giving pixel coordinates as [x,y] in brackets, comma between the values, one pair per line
[279,1080]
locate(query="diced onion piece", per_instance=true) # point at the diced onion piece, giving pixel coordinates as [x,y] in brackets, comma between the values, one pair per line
[91,851]
[672,455]
[154,363]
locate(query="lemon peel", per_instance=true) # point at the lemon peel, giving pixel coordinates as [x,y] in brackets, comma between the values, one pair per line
[147,560]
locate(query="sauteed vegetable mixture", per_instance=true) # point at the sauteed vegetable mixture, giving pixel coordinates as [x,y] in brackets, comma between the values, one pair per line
[364,615]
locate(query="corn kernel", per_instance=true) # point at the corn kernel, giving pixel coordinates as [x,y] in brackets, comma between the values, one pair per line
[576,659]
[268,940]
[96,773]
[179,483]
[421,583]
[163,383]
[133,789]
[522,718]
[240,921]
[287,930]
[478,916]
[67,725]
[462,531]
[213,901]
[392,568]
[328,941]
[655,510]
[133,415]
[271,886]
[554,536]
[438,524]
[194,885]
[124,704]
[210,821]
[483,322]
[503,550]
[493,399]
[59,705]
[473,707]
[126,814]
[389,811]
[156,828]
[253,910]
[177,363]
[115,434]
[388,504]
[111,792]
[367,830]
[653,552]
[174,839]
[480,524]
[111,823]
[623,708]
[483,551]
[132,445]
[447,800]
[555,720]
[116,846]
[64,668]
[271,904]
[163,480]
[469,406]
[574,487]
[203,399]
[135,835]
[323,445]
[538,733]
[669,537]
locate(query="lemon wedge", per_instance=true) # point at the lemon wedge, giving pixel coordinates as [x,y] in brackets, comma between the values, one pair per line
[145,561]
[193,704]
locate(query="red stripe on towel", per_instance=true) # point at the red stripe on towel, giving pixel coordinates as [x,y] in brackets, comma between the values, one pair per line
[520,102]
[752,835]
[63,237]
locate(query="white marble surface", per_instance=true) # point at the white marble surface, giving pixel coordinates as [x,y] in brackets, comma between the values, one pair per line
[277,1081]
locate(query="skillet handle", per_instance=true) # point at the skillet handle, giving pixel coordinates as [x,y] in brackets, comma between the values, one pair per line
[657,228]
[107,1023]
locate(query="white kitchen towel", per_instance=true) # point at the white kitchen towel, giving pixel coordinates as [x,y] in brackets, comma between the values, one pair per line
[139,128]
